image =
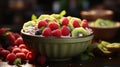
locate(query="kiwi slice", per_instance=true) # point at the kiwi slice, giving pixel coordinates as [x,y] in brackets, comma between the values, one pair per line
[78,32]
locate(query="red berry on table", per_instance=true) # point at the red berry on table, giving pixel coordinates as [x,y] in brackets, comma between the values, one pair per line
[4,53]
[42,23]
[53,25]
[21,46]
[76,23]
[65,30]
[56,33]
[25,51]
[65,21]
[84,23]
[2,31]
[46,32]
[16,35]
[16,50]
[21,55]
[11,37]
[19,41]
[11,58]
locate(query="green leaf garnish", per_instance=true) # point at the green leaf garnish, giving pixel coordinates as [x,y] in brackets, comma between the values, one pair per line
[17,62]
[62,13]
[33,17]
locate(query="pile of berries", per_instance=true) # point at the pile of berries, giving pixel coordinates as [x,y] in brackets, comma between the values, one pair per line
[56,25]
[14,51]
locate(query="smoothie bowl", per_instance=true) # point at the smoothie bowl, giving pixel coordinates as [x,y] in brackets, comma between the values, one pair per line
[57,37]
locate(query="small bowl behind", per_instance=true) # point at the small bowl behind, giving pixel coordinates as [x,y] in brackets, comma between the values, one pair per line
[57,48]
[105,33]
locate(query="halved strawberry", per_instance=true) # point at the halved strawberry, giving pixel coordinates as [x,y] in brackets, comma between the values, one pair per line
[56,33]
[42,23]
[65,30]
[65,21]
[53,25]
[46,32]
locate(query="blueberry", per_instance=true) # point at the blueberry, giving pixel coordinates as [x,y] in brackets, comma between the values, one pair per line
[38,32]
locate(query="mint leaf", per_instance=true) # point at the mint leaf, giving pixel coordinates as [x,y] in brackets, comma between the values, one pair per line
[33,17]
[63,13]
[17,62]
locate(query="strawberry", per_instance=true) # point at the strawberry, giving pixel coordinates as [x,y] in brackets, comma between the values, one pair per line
[53,25]
[16,35]
[46,32]
[42,23]
[16,50]
[75,23]
[41,59]
[56,33]
[4,53]
[65,30]
[84,23]
[2,31]
[11,58]
[19,41]
[11,37]
[25,51]
[21,46]
[65,21]
[21,55]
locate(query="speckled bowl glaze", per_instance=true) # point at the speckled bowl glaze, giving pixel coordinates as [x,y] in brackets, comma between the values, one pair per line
[58,48]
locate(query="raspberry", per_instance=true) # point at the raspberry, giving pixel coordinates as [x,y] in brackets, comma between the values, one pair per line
[25,51]
[65,30]
[65,21]
[4,53]
[46,32]
[11,37]
[84,23]
[21,55]
[19,41]
[53,25]
[75,23]
[56,33]
[42,23]
[16,50]
[41,60]
[11,58]
[21,46]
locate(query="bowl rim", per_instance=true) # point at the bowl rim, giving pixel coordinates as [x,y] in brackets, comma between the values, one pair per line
[117,25]
[22,32]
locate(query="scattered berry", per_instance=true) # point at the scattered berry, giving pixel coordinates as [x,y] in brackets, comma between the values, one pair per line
[11,58]
[19,41]
[4,53]
[21,46]
[16,50]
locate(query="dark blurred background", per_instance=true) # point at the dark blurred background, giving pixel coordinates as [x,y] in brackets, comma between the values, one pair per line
[14,13]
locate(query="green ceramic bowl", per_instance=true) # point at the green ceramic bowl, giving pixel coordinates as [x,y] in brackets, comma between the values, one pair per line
[58,48]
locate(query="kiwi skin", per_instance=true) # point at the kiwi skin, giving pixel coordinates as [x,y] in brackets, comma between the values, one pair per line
[79,31]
